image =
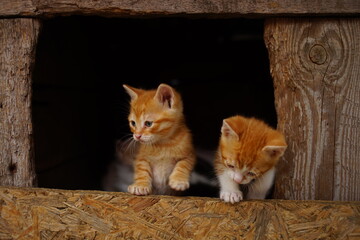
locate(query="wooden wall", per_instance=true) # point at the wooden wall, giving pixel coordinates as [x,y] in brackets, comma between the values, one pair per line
[315,68]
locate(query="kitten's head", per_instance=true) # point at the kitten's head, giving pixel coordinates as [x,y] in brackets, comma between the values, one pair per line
[154,114]
[249,148]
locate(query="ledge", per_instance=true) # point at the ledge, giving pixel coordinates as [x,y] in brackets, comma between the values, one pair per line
[63,214]
[123,8]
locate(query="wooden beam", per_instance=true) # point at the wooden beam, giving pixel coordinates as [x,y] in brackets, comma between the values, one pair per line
[315,67]
[60,214]
[121,8]
[18,39]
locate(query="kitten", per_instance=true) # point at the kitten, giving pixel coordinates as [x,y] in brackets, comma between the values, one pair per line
[247,154]
[166,156]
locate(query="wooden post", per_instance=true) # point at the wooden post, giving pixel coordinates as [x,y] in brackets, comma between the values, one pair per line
[315,67]
[18,39]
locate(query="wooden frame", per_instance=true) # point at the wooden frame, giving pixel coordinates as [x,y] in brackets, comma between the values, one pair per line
[314,64]
[210,8]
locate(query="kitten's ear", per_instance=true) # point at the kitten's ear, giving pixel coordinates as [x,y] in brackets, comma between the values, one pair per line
[274,151]
[165,95]
[133,92]
[228,131]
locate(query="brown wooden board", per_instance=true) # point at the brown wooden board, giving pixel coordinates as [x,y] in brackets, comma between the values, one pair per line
[59,214]
[178,7]
[18,39]
[315,67]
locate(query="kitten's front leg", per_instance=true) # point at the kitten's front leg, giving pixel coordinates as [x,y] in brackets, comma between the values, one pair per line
[179,178]
[261,186]
[143,178]
[229,190]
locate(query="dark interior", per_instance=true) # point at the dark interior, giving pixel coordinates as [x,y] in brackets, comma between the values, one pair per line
[220,67]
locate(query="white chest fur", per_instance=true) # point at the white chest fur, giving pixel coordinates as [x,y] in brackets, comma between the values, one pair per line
[161,169]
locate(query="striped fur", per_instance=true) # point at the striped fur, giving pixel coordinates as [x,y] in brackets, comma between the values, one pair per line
[166,156]
[247,154]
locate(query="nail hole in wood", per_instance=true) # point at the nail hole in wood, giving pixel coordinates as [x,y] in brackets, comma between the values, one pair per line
[13,168]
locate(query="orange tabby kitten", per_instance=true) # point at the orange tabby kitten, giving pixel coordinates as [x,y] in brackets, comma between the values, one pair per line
[247,154]
[166,156]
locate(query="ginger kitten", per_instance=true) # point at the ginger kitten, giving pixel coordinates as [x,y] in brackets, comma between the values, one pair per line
[248,152]
[166,156]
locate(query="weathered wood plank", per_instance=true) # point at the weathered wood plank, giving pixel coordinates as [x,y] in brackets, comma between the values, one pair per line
[175,7]
[60,214]
[17,8]
[315,67]
[18,39]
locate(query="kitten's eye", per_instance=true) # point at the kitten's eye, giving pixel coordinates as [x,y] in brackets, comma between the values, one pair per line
[133,123]
[148,123]
[251,174]
[230,166]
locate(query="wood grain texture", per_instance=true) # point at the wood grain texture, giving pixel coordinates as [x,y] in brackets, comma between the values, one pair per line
[18,39]
[175,7]
[17,7]
[59,214]
[315,67]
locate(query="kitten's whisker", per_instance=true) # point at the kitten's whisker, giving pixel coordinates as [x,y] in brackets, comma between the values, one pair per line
[130,145]
[126,144]
[133,146]
[125,136]
[122,143]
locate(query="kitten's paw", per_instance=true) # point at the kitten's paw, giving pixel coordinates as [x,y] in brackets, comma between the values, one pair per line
[139,189]
[232,197]
[179,185]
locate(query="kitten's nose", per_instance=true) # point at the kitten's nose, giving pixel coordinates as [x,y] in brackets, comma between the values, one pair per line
[238,178]
[137,136]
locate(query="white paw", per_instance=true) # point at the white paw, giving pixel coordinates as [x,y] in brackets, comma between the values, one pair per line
[232,197]
[139,189]
[179,185]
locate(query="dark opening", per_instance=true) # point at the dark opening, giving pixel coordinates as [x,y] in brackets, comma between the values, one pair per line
[220,66]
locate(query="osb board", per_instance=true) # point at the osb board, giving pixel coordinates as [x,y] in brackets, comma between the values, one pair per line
[119,8]
[59,214]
